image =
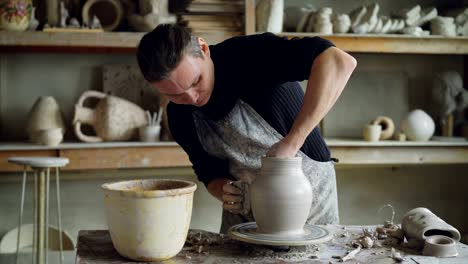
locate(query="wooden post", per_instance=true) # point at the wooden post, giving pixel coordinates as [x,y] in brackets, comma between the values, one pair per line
[249,17]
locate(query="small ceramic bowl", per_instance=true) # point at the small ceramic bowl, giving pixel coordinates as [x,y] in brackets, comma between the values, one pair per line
[440,246]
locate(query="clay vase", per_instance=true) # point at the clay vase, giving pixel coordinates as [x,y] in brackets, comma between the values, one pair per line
[281,197]
[269,14]
[113,118]
[44,115]
[15,14]
[148,220]
[420,223]
[418,126]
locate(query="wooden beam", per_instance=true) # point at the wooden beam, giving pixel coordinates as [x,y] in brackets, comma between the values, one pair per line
[125,158]
[399,44]
[400,155]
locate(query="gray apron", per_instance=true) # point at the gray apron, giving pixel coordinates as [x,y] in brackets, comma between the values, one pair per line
[243,137]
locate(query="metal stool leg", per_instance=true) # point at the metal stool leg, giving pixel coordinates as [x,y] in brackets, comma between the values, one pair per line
[23,190]
[47,216]
[36,217]
[59,213]
[41,225]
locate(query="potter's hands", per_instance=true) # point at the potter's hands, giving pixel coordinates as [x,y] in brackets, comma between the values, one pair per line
[282,149]
[236,197]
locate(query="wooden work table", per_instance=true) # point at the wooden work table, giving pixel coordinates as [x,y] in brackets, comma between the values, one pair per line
[95,247]
[139,155]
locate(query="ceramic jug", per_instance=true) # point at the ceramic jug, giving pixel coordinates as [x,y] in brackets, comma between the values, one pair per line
[113,118]
[44,114]
[281,197]
[420,223]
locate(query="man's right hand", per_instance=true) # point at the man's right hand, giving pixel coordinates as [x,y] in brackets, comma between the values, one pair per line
[232,198]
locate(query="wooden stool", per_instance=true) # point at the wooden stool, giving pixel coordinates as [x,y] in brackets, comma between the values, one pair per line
[41,167]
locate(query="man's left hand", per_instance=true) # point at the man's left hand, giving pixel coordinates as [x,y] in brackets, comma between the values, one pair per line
[282,149]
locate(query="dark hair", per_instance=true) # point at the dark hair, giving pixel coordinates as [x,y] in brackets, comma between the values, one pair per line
[161,50]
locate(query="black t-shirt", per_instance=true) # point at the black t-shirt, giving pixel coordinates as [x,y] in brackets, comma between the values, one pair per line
[263,71]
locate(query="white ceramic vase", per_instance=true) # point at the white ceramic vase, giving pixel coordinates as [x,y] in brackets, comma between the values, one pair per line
[148,220]
[418,125]
[281,197]
[44,115]
[420,223]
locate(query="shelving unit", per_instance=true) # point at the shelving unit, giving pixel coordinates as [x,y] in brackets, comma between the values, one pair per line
[126,155]
[133,155]
[126,42]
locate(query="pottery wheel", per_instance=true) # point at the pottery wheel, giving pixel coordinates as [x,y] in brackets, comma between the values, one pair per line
[247,232]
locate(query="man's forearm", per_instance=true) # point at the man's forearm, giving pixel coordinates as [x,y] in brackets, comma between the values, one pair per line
[215,187]
[328,77]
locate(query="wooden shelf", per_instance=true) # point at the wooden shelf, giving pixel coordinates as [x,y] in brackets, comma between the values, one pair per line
[352,152]
[394,44]
[104,42]
[138,155]
[126,42]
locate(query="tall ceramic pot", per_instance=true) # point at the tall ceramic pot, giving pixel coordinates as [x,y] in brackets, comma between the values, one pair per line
[15,14]
[113,118]
[44,115]
[281,196]
[148,220]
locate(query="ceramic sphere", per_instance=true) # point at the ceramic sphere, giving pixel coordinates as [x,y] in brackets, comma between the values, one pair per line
[418,126]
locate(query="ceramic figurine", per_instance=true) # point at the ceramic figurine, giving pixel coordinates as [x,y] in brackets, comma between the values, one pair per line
[152,13]
[444,26]
[420,224]
[113,118]
[15,14]
[63,15]
[33,23]
[418,126]
[281,180]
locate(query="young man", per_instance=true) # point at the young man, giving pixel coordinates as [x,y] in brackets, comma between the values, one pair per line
[236,101]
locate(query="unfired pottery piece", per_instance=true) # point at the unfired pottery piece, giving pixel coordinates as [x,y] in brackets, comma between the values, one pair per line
[281,197]
[148,220]
[388,126]
[420,223]
[440,246]
[44,114]
[109,12]
[418,125]
[113,118]
[371,132]
[247,232]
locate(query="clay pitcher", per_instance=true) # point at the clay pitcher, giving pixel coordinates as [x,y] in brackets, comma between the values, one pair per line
[281,197]
[113,118]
